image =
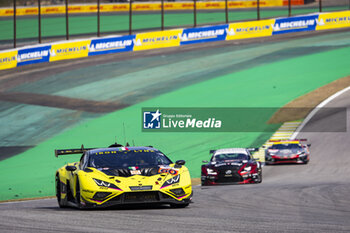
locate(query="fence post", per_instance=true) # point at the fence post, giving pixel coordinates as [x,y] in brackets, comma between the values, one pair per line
[195,13]
[130,17]
[226,10]
[98,19]
[320,5]
[162,15]
[39,20]
[258,8]
[67,22]
[289,8]
[14,24]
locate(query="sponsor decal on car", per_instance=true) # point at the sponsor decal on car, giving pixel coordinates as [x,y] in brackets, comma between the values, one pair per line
[171,171]
[140,188]
[134,170]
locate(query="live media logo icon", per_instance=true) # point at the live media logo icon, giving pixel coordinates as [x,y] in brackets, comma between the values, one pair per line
[151,120]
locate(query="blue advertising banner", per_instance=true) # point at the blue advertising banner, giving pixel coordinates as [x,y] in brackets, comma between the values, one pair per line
[295,24]
[204,34]
[33,55]
[111,45]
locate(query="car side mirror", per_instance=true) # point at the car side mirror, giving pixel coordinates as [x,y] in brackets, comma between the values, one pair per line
[309,145]
[71,168]
[205,161]
[180,162]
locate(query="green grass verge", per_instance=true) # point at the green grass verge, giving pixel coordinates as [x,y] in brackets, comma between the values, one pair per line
[31,174]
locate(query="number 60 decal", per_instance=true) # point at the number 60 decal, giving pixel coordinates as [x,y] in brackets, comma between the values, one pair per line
[171,171]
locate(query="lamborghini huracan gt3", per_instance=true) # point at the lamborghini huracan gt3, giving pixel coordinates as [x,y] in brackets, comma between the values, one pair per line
[122,175]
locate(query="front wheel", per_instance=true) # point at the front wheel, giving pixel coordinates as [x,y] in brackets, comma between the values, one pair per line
[77,195]
[58,192]
[259,177]
[179,205]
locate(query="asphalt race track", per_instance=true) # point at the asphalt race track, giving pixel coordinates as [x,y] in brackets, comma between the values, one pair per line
[292,198]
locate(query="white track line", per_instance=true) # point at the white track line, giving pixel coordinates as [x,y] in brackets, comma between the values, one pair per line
[315,110]
[21,201]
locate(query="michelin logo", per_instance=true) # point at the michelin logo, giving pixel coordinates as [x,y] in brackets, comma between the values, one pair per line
[294,24]
[151,120]
[110,45]
[242,30]
[33,55]
[202,34]
[7,59]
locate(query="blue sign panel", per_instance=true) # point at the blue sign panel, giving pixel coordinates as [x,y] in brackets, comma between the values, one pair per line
[295,24]
[111,45]
[33,55]
[204,34]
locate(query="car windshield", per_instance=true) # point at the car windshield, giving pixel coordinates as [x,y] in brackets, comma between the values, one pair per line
[128,158]
[230,156]
[286,146]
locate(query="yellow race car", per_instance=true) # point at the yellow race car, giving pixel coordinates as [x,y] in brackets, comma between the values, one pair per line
[122,175]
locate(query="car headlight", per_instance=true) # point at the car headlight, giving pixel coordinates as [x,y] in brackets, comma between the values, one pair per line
[106,184]
[211,172]
[174,180]
[272,152]
[247,169]
[102,183]
[302,153]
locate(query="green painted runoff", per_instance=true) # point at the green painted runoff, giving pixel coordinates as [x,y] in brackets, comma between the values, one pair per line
[31,174]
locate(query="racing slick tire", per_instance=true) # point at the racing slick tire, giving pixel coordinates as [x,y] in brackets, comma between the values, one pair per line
[77,195]
[58,192]
[260,178]
[179,205]
[182,205]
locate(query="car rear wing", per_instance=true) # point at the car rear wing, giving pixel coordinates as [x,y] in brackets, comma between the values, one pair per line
[291,140]
[249,149]
[71,151]
[288,140]
[253,149]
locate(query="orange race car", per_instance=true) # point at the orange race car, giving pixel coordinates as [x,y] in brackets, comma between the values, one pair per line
[287,151]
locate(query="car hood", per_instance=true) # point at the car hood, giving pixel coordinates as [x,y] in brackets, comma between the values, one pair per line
[126,172]
[125,180]
[230,163]
[287,152]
